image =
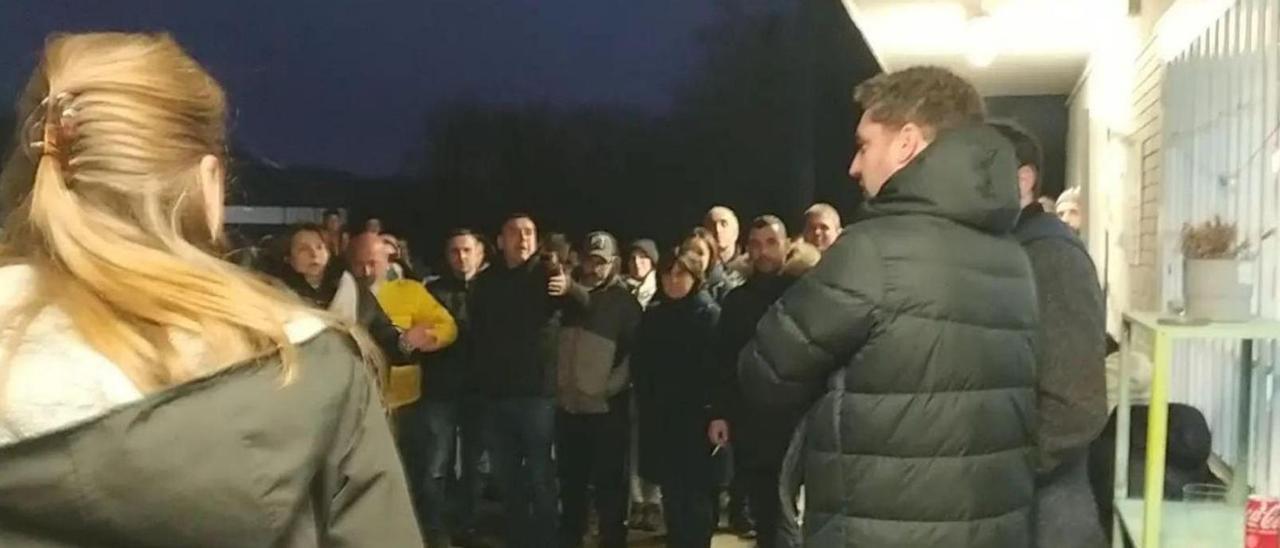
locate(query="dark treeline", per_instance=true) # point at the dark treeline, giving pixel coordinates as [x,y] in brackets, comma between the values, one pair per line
[764,124]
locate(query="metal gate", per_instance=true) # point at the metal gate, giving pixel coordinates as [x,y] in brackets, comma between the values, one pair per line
[1222,158]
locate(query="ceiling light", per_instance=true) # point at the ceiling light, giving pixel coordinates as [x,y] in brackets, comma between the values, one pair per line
[982,41]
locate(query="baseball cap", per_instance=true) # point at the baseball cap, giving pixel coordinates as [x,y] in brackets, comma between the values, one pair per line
[602,244]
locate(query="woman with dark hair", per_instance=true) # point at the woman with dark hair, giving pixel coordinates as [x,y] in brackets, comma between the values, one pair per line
[700,244]
[324,283]
[673,372]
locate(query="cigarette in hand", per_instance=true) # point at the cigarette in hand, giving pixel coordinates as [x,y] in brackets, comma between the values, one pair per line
[716,450]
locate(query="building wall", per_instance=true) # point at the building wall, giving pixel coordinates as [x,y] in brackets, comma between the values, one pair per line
[1114,140]
[1192,138]
[1144,151]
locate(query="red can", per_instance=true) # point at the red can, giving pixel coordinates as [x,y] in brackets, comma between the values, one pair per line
[1262,522]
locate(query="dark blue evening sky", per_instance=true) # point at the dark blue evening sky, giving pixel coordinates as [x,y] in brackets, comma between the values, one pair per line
[347,83]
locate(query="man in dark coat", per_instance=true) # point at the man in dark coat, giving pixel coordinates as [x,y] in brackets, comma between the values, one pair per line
[759,435]
[593,424]
[515,318]
[1072,403]
[448,409]
[913,339]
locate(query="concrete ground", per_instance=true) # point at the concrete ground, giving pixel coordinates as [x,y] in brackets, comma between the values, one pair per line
[723,540]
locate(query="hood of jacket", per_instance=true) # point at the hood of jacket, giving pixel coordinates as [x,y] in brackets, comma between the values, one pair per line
[967,175]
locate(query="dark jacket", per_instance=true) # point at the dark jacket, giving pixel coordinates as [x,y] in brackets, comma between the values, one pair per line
[759,433]
[1072,352]
[595,348]
[673,368]
[369,314]
[915,334]
[1072,395]
[235,459]
[449,373]
[514,326]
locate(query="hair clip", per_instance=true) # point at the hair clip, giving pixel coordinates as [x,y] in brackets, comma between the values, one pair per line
[50,127]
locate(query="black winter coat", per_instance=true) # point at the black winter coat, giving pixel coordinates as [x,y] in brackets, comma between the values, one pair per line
[915,334]
[448,374]
[514,327]
[1072,365]
[369,314]
[673,371]
[759,434]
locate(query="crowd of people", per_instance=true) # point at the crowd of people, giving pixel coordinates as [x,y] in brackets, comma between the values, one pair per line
[931,373]
[581,374]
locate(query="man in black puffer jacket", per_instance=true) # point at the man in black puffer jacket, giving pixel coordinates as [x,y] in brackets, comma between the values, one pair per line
[913,339]
[1072,366]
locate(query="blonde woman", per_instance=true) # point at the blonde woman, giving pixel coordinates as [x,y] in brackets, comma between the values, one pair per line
[151,394]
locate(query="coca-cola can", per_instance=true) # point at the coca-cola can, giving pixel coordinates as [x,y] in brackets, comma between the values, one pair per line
[1262,522]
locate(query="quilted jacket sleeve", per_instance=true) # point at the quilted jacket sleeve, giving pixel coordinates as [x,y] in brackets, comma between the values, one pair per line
[816,326]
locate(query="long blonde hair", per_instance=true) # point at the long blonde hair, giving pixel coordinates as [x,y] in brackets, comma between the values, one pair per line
[111,212]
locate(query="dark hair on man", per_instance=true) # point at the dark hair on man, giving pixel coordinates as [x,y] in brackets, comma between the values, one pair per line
[517,215]
[1025,146]
[461,232]
[933,98]
[331,212]
[770,221]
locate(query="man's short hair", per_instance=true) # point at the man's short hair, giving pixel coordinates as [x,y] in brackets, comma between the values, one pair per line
[458,232]
[329,212]
[515,215]
[1069,196]
[706,218]
[821,208]
[1025,146]
[770,221]
[933,98]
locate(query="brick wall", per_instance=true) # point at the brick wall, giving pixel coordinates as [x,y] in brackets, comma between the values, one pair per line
[1144,273]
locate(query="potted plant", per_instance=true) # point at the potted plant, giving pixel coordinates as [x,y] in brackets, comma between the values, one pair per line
[1213,287]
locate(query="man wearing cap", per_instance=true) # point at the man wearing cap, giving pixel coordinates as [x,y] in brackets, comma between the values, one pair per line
[593,421]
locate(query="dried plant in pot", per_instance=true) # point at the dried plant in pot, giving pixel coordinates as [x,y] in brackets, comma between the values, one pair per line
[1213,285]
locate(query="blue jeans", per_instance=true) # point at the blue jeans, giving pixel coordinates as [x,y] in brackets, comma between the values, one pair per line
[428,431]
[687,509]
[473,431]
[523,435]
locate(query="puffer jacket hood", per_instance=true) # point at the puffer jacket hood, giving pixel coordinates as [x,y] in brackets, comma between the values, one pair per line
[977,156]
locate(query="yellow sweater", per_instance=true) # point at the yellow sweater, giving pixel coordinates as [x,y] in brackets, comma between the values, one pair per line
[407,303]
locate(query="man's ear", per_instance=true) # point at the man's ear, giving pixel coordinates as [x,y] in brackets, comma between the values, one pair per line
[908,144]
